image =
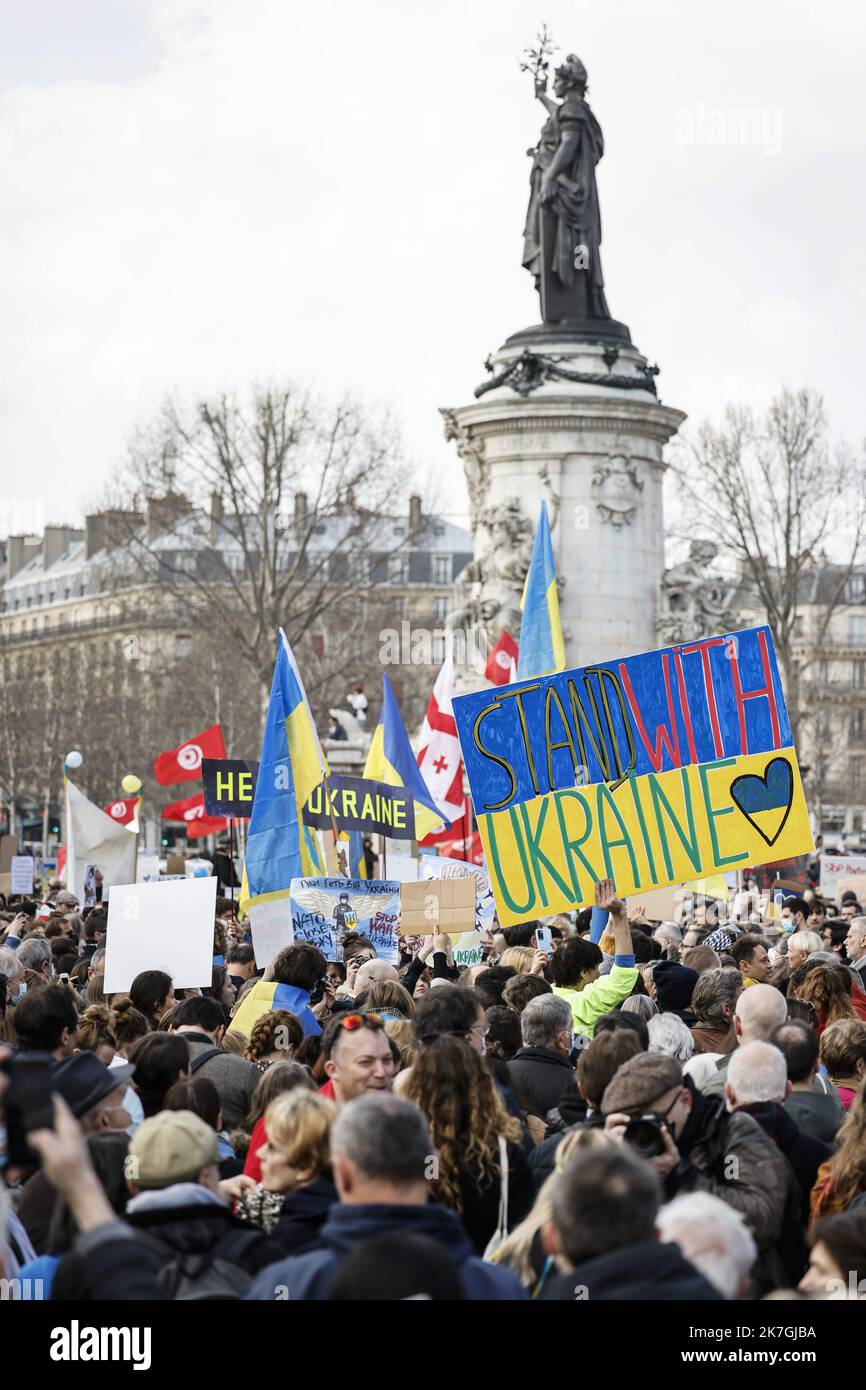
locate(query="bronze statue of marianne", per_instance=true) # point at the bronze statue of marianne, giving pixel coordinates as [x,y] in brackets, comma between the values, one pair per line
[562,236]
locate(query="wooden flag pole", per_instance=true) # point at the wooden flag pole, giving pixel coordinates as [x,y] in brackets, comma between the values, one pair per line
[334,826]
[232,862]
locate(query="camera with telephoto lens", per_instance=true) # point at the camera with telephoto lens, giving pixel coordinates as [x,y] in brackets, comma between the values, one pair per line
[645,1134]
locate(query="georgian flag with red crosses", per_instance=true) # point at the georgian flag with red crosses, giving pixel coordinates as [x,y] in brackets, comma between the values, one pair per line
[439,749]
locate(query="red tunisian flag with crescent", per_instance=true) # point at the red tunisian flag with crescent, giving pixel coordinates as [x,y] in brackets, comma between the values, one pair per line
[191,812]
[502,662]
[122,811]
[439,749]
[183,764]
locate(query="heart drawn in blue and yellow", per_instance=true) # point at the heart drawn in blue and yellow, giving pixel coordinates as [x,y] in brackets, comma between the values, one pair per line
[766,801]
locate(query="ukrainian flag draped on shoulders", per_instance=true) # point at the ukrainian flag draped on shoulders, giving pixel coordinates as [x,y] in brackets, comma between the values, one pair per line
[279,846]
[391,760]
[542,649]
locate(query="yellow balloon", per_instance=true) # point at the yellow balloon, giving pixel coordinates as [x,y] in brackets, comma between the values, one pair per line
[131,783]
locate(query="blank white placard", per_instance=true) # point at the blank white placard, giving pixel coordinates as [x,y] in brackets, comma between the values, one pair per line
[160,926]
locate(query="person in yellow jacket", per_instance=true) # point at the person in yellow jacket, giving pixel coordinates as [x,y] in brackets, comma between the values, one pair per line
[577,963]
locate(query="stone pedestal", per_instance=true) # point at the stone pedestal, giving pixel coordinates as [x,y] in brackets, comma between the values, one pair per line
[573,419]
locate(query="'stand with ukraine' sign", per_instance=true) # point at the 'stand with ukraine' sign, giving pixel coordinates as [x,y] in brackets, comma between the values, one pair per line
[658,768]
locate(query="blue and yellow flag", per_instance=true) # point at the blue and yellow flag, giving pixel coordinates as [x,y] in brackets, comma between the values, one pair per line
[542,650]
[391,760]
[279,846]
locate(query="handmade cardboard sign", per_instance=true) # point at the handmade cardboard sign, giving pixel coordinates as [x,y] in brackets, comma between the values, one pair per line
[659,768]
[356,803]
[326,910]
[229,785]
[438,905]
[160,926]
[442,866]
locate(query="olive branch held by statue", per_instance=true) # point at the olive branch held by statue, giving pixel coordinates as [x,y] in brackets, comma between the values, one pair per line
[537,60]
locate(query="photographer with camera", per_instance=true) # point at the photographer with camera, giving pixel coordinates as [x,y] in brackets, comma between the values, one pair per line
[695,1144]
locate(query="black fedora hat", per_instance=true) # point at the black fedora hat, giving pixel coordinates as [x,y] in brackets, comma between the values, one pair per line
[83,1081]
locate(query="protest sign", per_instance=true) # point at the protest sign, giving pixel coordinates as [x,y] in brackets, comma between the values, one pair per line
[6,884]
[357,803]
[229,785]
[468,950]
[271,929]
[835,867]
[659,768]
[160,926]
[443,866]
[21,873]
[438,905]
[324,911]
[402,867]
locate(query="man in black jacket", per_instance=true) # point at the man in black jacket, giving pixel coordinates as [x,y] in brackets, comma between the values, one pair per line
[603,1234]
[178,1214]
[541,1069]
[758,1084]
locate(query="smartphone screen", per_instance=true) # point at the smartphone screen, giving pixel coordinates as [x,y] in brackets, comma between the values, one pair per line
[544,940]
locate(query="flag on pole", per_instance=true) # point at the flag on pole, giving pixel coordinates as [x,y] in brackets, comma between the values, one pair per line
[124,811]
[279,846]
[501,666]
[542,649]
[391,760]
[183,764]
[191,811]
[439,748]
[94,838]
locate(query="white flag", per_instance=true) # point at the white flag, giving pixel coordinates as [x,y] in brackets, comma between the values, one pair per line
[92,837]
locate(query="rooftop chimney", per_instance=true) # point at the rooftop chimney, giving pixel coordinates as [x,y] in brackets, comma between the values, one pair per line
[56,540]
[20,549]
[415,518]
[301,511]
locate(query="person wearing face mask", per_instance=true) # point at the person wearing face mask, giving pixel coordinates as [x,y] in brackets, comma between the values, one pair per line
[94,1094]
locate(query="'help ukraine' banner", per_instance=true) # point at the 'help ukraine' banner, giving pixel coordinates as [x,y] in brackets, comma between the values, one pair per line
[658,768]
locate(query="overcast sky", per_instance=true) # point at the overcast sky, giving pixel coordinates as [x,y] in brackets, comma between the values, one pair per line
[194,194]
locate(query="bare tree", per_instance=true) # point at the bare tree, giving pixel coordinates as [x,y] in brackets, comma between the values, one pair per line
[274,511]
[774,495]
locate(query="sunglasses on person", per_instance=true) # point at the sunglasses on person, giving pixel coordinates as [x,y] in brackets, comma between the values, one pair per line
[352,1022]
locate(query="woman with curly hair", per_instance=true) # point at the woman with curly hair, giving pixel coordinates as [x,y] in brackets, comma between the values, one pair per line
[476,1139]
[825,989]
[843,1177]
[275,1037]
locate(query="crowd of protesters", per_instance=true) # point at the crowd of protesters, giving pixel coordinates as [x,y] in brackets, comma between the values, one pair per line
[647,1110]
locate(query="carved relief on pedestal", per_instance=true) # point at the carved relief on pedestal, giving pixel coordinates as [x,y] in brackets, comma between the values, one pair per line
[475,465]
[616,489]
[694,601]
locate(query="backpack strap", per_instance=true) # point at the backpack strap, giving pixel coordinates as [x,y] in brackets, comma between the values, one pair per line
[203,1057]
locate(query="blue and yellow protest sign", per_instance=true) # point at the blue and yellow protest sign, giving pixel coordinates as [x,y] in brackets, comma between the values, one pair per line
[655,769]
[326,911]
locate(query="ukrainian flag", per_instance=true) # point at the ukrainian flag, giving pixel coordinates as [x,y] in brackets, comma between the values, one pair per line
[279,846]
[357,861]
[266,996]
[391,760]
[542,650]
